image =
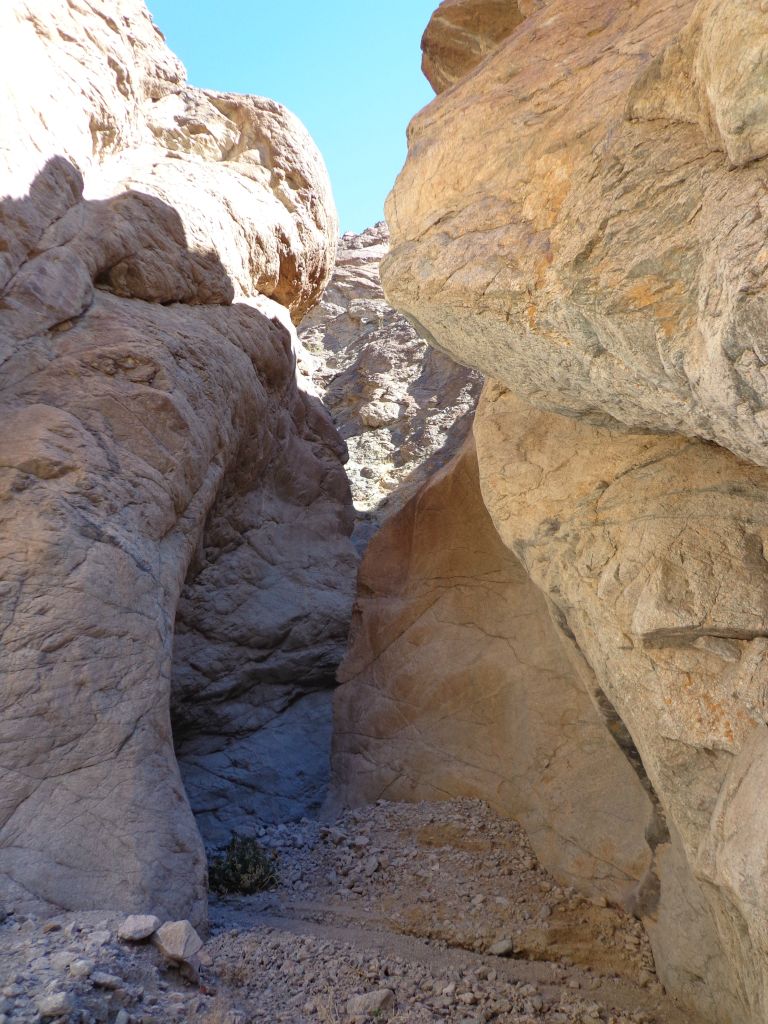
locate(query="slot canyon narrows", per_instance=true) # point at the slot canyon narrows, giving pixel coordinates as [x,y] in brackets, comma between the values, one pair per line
[384,612]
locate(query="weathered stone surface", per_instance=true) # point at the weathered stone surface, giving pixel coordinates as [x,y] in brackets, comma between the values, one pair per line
[456,684]
[403,408]
[651,549]
[247,184]
[177,941]
[140,407]
[369,1004]
[582,217]
[137,927]
[461,33]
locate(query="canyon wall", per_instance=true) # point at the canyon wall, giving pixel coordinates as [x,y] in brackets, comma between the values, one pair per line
[157,244]
[456,684]
[402,408]
[581,217]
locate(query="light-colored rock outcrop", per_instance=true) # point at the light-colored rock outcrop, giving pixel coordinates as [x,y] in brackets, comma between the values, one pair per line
[153,437]
[402,407]
[457,684]
[582,217]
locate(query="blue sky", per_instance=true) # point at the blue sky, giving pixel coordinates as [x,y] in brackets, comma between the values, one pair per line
[350,69]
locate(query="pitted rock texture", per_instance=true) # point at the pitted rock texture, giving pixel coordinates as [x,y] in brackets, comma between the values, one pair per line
[461,33]
[457,684]
[139,402]
[599,246]
[403,408]
[651,549]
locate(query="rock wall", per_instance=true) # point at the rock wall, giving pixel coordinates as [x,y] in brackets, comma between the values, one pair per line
[155,242]
[402,407]
[581,218]
[456,684]
[651,550]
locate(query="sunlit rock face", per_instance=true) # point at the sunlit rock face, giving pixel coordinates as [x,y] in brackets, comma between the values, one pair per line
[581,218]
[651,550]
[156,242]
[403,408]
[457,684]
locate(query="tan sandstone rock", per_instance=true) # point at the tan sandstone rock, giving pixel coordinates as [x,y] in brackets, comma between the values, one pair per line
[153,431]
[651,549]
[461,33]
[177,941]
[457,684]
[582,217]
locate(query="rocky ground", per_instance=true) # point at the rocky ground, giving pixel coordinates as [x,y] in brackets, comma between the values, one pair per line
[415,914]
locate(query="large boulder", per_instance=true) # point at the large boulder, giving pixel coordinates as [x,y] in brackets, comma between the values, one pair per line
[141,406]
[582,217]
[457,684]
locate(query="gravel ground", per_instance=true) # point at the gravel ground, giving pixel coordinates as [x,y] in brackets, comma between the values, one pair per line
[410,913]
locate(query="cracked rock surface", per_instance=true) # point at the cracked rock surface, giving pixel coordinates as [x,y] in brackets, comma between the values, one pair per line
[156,242]
[581,217]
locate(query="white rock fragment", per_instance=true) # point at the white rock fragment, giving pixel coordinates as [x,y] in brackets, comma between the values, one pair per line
[177,941]
[81,968]
[503,947]
[137,927]
[366,1003]
[101,979]
[57,1004]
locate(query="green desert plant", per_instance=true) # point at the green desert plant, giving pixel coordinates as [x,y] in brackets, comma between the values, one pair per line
[243,867]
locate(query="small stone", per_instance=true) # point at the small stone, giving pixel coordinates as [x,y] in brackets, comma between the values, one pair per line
[368,1003]
[123,1017]
[100,937]
[137,927]
[100,979]
[56,1005]
[371,866]
[81,968]
[503,947]
[177,941]
[51,926]
[61,959]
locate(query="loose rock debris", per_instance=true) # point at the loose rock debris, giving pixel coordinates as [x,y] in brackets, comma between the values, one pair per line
[410,913]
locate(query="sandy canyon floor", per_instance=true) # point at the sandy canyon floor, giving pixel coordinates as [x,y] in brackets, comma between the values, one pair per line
[415,914]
